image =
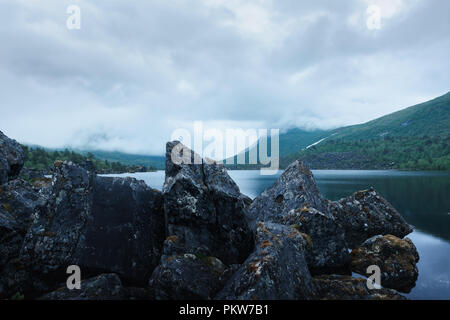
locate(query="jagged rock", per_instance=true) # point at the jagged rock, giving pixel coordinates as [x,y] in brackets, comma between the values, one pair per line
[327,251]
[204,208]
[277,268]
[102,287]
[18,201]
[57,234]
[338,287]
[11,158]
[100,224]
[395,257]
[366,214]
[294,189]
[187,276]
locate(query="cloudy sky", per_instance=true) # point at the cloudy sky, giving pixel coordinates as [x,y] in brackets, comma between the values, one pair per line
[138,70]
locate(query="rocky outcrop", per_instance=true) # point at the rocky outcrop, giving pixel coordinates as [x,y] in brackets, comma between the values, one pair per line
[338,287]
[187,277]
[204,208]
[294,189]
[327,250]
[11,158]
[18,201]
[395,257]
[100,224]
[366,214]
[102,287]
[219,244]
[277,268]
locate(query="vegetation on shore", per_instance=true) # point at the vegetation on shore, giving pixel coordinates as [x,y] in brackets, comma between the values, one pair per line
[37,158]
[405,153]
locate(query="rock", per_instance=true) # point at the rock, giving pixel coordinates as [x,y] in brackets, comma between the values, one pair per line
[11,158]
[327,251]
[126,232]
[366,214]
[187,277]
[102,287]
[100,224]
[395,257]
[57,235]
[294,189]
[31,174]
[338,287]
[204,209]
[18,201]
[277,268]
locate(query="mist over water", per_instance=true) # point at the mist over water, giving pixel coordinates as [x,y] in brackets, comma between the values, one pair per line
[421,197]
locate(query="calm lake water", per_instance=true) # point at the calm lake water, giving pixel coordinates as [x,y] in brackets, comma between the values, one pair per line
[423,198]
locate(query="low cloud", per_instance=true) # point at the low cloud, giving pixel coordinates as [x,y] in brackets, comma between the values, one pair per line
[136,72]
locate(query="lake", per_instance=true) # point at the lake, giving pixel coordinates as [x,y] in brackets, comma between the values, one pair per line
[423,198]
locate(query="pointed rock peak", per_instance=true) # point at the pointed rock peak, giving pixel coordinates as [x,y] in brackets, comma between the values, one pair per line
[295,188]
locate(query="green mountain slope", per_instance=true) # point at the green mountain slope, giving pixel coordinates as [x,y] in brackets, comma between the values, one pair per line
[417,137]
[292,140]
[431,118]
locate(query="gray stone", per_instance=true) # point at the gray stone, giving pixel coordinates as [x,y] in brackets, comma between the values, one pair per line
[396,258]
[204,209]
[277,269]
[366,214]
[11,158]
[327,250]
[338,287]
[294,189]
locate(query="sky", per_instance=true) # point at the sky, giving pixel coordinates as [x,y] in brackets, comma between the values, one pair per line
[134,72]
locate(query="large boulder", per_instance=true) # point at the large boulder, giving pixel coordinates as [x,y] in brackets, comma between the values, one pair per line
[338,287]
[294,189]
[204,208]
[366,214]
[18,201]
[11,158]
[277,269]
[126,231]
[327,251]
[100,224]
[187,277]
[395,257]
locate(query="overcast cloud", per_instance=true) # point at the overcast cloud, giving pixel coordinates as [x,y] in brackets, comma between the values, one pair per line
[137,70]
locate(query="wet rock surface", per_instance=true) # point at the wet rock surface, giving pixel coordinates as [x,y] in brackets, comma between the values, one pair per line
[204,209]
[11,158]
[339,287]
[395,257]
[277,269]
[366,214]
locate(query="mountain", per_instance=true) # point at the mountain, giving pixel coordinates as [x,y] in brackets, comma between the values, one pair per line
[417,137]
[292,140]
[430,118]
